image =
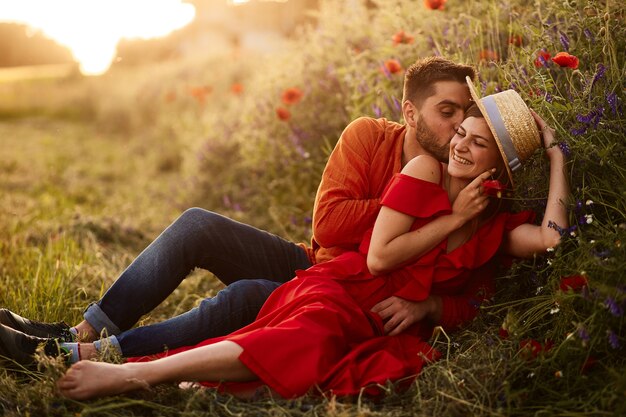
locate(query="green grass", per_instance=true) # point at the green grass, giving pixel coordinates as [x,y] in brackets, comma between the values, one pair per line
[91,170]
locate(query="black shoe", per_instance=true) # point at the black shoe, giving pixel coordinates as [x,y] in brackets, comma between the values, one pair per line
[21,347]
[60,330]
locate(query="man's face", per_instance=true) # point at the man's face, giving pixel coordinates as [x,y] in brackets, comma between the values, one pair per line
[439,117]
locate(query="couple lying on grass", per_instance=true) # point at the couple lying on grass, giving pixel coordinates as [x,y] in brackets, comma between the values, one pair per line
[402,242]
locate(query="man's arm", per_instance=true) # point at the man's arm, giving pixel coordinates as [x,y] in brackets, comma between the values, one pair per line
[344,209]
[448,311]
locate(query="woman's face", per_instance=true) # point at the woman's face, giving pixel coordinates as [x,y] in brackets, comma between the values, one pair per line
[473,150]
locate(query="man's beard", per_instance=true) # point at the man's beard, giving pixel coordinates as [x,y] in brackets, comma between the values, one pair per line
[428,140]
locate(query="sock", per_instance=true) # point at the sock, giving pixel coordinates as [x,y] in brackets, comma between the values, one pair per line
[73,349]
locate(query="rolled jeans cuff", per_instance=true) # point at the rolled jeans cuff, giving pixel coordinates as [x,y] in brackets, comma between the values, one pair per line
[99,320]
[110,341]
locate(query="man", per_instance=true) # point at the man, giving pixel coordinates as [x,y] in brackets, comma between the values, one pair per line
[368,153]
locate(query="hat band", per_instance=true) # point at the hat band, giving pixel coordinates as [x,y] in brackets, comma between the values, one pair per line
[503,135]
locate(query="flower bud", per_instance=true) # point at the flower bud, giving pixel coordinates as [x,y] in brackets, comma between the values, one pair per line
[590,11]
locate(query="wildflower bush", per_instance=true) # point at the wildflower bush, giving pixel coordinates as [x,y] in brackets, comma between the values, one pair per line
[249,137]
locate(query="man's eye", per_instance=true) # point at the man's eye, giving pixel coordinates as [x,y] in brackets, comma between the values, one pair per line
[447,113]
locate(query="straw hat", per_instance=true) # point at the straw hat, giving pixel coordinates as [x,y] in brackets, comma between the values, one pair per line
[511,124]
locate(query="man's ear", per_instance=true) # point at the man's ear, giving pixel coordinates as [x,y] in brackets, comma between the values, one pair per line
[409,111]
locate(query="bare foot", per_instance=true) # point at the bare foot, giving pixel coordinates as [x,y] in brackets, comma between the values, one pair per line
[86,379]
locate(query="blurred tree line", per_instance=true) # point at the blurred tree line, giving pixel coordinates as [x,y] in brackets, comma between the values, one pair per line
[21,45]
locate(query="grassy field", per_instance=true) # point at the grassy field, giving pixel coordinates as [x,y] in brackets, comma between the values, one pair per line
[92,169]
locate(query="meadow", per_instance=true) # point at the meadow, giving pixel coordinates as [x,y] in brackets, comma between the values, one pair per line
[92,169]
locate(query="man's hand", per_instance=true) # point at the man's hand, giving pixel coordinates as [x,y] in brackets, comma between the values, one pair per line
[400,314]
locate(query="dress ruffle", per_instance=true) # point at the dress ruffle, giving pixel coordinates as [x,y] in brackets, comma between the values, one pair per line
[416,197]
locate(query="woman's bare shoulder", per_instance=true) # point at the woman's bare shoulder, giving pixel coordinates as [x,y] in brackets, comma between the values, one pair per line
[424,167]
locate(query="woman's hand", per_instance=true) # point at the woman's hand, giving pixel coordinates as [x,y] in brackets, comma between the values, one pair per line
[472,200]
[547,132]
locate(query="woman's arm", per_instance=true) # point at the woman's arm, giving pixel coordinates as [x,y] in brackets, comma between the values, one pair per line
[526,240]
[393,243]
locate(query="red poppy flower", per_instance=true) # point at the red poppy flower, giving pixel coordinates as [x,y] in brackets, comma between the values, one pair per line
[543,57]
[200,93]
[564,59]
[493,188]
[402,37]
[503,333]
[292,95]
[393,66]
[530,348]
[488,55]
[236,88]
[283,114]
[434,4]
[516,40]
[573,282]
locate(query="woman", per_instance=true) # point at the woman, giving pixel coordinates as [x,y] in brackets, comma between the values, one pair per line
[436,224]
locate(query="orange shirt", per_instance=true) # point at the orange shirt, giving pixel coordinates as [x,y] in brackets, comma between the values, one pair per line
[367,155]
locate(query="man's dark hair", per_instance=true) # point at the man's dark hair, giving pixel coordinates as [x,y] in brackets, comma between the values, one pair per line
[420,77]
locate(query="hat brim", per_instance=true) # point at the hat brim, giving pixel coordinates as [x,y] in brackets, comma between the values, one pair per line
[483,110]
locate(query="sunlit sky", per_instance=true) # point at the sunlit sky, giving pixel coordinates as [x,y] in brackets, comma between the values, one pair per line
[91,29]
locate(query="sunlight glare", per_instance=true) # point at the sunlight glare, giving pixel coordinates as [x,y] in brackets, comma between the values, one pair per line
[91,29]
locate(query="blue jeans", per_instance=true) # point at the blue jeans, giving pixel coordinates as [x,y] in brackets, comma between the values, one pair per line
[235,253]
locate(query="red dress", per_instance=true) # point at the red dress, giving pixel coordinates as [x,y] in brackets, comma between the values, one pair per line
[316,332]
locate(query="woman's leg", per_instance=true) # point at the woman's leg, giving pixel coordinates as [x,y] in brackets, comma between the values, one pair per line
[197,239]
[217,362]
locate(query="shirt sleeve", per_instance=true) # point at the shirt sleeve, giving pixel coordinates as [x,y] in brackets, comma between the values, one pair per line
[343,210]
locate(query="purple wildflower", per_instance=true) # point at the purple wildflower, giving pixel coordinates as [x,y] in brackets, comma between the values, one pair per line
[599,74]
[549,97]
[564,147]
[385,71]
[613,307]
[363,88]
[378,112]
[397,104]
[583,334]
[564,41]
[613,339]
[308,219]
[614,102]
[579,205]
[580,131]
[591,118]
[589,35]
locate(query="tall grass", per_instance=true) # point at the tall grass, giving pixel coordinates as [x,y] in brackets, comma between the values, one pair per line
[91,166]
